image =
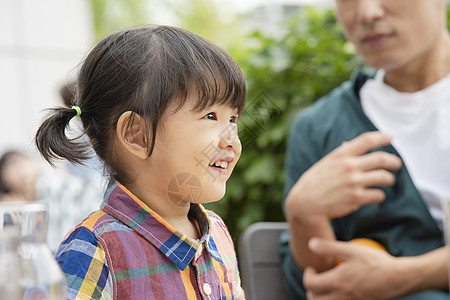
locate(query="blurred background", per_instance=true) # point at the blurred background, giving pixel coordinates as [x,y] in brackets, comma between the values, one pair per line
[291,51]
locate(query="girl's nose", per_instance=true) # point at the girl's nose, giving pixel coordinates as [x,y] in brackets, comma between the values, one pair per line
[229,137]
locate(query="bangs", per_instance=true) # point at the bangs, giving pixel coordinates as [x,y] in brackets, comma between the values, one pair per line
[216,86]
[187,64]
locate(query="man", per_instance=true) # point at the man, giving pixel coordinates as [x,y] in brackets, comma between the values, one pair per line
[372,160]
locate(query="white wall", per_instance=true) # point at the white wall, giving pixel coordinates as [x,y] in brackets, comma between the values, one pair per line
[41,44]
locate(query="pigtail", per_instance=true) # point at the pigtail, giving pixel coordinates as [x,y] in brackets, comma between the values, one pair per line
[53,143]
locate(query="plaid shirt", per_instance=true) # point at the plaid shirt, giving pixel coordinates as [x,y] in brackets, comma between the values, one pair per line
[127,251]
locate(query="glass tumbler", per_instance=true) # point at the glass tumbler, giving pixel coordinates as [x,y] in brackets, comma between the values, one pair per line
[36,273]
[10,270]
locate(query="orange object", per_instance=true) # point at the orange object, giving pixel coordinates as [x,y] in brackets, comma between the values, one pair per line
[365,242]
[368,242]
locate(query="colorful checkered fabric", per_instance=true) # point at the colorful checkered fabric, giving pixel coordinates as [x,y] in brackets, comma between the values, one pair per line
[127,251]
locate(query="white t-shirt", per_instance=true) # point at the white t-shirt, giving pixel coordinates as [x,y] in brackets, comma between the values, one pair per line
[420,123]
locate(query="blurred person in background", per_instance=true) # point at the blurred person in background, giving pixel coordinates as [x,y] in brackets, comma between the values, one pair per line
[18,176]
[371,160]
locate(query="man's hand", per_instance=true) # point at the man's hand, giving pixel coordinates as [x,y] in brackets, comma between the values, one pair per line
[360,275]
[344,180]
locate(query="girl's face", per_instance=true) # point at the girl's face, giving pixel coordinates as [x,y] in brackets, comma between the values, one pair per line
[195,153]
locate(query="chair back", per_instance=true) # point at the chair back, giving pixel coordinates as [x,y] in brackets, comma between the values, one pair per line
[260,262]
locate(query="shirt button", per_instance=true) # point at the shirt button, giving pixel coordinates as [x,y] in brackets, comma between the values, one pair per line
[207,289]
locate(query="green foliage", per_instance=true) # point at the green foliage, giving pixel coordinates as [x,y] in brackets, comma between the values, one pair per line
[113,15]
[284,75]
[209,19]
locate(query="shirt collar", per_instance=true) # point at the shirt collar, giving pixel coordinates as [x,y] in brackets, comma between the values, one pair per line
[120,203]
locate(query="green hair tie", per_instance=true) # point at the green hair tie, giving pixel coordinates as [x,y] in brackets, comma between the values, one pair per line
[77,109]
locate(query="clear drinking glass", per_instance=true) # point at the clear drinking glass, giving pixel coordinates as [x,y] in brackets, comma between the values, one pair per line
[10,269]
[37,275]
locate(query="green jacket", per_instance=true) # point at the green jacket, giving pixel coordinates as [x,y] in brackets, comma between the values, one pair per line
[402,223]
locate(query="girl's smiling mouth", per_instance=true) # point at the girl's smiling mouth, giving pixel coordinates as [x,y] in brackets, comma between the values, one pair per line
[221,165]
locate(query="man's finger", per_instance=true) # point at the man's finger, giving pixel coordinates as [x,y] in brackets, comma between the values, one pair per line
[334,249]
[364,143]
[379,160]
[377,178]
[321,285]
[371,196]
[312,281]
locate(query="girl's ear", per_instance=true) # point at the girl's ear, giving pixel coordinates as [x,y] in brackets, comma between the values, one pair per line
[130,133]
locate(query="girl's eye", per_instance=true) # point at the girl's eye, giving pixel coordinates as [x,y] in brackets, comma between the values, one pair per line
[210,116]
[233,119]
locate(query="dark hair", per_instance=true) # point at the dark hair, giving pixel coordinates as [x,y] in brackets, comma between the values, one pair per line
[68,93]
[143,70]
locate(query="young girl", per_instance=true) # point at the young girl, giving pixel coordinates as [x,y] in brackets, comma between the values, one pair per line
[160,106]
